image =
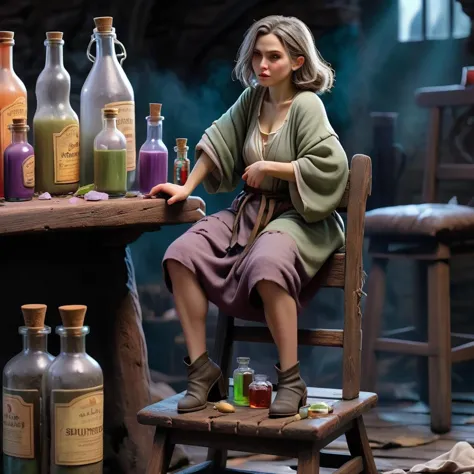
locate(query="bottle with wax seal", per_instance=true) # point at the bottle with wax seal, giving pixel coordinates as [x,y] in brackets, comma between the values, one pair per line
[182,165]
[19,164]
[106,86]
[22,378]
[73,391]
[153,156]
[55,124]
[12,95]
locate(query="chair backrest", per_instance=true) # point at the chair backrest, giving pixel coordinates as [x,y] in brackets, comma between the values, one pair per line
[343,270]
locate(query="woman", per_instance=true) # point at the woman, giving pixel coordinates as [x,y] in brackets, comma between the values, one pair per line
[255,259]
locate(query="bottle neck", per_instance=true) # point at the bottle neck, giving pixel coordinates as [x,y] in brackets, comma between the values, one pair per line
[6,56]
[73,340]
[54,54]
[105,45]
[35,340]
[110,123]
[154,130]
[183,155]
[19,136]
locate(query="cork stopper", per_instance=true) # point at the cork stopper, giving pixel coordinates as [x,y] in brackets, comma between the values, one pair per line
[19,121]
[6,35]
[34,315]
[155,111]
[110,112]
[18,124]
[181,144]
[103,23]
[73,315]
[54,35]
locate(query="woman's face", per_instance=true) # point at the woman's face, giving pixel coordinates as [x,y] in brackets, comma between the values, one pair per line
[270,62]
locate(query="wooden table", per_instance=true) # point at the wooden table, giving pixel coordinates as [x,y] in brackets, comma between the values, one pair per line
[60,252]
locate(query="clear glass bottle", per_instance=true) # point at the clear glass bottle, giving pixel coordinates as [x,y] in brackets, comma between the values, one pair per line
[73,395]
[153,156]
[22,377]
[106,86]
[19,164]
[55,124]
[182,165]
[12,95]
[260,392]
[110,157]
[243,377]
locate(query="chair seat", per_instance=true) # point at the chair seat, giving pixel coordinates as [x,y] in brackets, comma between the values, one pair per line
[446,221]
[255,422]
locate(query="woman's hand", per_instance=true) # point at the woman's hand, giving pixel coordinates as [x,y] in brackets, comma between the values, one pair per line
[255,173]
[175,191]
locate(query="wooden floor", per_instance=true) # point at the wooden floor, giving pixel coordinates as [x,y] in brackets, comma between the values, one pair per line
[399,434]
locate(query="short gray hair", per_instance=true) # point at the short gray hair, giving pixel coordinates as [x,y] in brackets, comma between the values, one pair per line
[315,74]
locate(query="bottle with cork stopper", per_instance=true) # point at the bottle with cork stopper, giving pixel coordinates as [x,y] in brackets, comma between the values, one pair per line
[106,86]
[55,124]
[153,156]
[22,404]
[19,163]
[182,165]
[12,95]
[74,398]
[110,157]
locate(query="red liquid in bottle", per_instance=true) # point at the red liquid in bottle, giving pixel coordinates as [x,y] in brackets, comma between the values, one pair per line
[260,397]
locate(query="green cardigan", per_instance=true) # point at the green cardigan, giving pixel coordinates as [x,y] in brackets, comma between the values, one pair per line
[308,141]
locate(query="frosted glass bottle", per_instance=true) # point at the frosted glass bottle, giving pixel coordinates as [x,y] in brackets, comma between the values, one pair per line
[106,86]
[55,125]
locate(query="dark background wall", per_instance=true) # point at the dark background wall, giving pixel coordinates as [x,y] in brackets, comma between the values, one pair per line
[181,53]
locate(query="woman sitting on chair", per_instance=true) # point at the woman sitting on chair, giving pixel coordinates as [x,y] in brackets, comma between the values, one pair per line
[254,259]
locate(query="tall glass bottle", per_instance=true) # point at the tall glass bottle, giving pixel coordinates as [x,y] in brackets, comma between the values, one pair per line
[153,157]
[12,95]
[243,377]
[22,378]
[55,124]
[19,164]
[110,157]
[73,395]
[182,165]
[106,86]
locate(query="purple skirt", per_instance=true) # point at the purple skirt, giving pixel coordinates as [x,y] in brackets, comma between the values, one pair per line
[229,281]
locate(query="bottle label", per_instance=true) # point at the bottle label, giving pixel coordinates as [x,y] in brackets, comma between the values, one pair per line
[20,417]
[78,426]
[28,168]
[66,155]
[14,110]
[126,124]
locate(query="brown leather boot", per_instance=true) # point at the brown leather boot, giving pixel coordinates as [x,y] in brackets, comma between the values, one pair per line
[291,393]
[205,383]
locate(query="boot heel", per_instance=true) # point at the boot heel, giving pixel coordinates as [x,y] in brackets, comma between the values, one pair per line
[218,391]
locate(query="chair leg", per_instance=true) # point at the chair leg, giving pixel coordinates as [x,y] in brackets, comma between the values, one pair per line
[439,340]
[161,453]
[358,444]
[308,461]
[221,356]
[372,322]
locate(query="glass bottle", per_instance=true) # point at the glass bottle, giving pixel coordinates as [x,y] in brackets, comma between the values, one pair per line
[182,165]
[243,377]
[22,409]
[73,395]
[260,392]
[110,157]
[153,156]
[55,124]
[106,86]
[19,164]
[12,95]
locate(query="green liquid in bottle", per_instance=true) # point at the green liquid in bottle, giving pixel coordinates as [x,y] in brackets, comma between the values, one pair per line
[241,388]
[110,172]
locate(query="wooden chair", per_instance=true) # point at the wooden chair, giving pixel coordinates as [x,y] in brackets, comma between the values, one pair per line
[251,430]
[430,234]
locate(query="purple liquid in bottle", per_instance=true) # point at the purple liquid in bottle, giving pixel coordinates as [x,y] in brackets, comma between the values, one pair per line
[19,164]
[153,156]
[153,169]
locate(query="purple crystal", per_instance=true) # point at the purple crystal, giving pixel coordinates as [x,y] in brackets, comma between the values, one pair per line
[44,196]
[96,196]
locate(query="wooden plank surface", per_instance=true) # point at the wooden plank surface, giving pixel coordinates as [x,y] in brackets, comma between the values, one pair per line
[60,214]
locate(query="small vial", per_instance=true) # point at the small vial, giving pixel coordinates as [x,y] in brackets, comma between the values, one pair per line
[182,165]
[260,392]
